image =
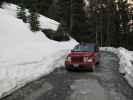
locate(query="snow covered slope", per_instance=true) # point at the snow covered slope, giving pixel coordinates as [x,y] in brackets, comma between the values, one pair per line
[45,22]
[24,55]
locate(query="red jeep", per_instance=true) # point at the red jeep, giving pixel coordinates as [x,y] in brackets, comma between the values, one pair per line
[83,56]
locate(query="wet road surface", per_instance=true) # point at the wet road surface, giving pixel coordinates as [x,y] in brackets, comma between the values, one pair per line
[106,83]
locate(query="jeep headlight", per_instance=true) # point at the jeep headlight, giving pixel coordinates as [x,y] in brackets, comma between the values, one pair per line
[68,58]
[85,59]
[90,60]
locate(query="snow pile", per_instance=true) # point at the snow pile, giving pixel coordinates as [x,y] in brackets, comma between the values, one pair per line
[24,55]
[110,49]
[126,62]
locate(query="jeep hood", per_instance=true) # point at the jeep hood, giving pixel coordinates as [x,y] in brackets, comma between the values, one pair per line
[82,54]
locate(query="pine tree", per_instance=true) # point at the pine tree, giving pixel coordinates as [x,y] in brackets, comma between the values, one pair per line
[79,26]
[21,13]
[122,20]
[42,6]
[60,11]
[1,1]
[33,21]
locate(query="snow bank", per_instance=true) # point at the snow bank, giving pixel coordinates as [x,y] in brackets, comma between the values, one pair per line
[126,62]
[24,55]
[110,49]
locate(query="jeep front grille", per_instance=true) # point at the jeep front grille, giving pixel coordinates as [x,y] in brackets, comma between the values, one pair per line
[77,59]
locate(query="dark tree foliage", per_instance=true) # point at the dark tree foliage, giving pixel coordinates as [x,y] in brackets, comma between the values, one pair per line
[33,21]
[1,1]
[125,34]
[33,17]
[110,20]
[41,6]
[79,26]
[21,13]
[60,11]
[103,21]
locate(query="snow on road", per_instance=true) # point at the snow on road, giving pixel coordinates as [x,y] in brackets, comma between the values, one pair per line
[24,55]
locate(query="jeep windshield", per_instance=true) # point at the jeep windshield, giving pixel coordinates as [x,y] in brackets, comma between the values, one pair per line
[84,48]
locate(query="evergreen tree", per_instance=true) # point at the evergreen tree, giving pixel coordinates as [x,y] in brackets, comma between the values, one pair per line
[98,20]
[21,13]
[122,23]
[78,21]
[33,21]
[60,11]
[42,6]
[105,20]
[1,1]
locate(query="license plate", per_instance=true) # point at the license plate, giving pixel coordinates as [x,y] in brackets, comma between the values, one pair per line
[75,65]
